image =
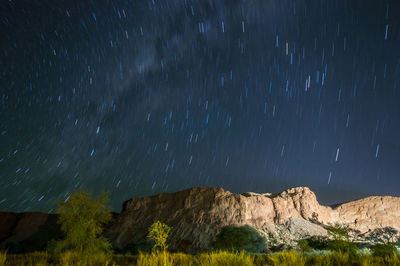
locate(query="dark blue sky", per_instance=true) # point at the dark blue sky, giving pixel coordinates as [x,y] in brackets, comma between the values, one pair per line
[142,97]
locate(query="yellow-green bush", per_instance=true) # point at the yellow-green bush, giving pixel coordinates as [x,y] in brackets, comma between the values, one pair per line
[82,218]
[158,232]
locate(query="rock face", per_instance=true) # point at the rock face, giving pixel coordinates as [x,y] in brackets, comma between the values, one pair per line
[198,214]
[27,232]
[370,213]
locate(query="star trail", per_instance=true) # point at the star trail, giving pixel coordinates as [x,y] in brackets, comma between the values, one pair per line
[144,97]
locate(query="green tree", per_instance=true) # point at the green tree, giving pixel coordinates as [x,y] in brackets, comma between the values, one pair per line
[341,241]
[82,218]
[343,246]
[314,242]
[158,232]
[382,250]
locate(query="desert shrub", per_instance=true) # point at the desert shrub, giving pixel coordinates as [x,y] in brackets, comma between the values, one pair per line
[82,218]
[225,258]
[321,243]
[314,242]
[303,245]
[382,250]
[338,232]
[158,232]
[240,238]
[343,246]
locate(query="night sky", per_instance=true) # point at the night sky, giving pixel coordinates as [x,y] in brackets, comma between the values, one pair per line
[143,97]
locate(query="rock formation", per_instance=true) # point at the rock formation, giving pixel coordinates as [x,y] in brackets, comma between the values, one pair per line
[27,232]
[198,214]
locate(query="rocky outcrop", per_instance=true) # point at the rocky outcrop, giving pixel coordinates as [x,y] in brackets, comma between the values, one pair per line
[370,213]
[198,214]
[27,232]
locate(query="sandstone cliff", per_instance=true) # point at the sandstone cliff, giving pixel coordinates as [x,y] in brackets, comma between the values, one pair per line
[198,214]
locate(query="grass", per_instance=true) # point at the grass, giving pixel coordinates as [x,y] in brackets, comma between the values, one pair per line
[225,258]
[3,257]
[28,259]
[71,258]
[222,258]
[164,258]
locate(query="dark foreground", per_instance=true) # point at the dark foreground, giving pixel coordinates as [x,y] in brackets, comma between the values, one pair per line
[214,258]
